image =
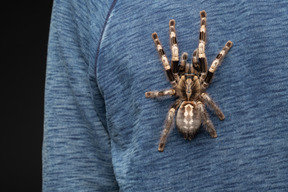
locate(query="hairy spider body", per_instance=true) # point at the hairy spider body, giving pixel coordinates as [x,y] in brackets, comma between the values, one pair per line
[189,82]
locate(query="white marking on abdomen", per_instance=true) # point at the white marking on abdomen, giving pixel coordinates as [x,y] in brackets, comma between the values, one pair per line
[188,113]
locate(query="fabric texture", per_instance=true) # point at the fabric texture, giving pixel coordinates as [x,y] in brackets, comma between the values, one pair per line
[101,133]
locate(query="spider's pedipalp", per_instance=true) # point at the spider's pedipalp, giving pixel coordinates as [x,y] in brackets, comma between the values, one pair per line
[195,62]
[164,59]
[184,56]
[217,62]
[183,63]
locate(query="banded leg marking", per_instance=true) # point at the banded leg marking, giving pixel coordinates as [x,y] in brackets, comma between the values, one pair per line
[154,94]
[202,42]
[183,63]
[213,105]
[195,58]
[174,49]
[168,125]
[164,59]
[217,62]
[207,122]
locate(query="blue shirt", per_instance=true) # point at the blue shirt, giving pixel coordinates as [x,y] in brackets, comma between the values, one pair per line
[101,133]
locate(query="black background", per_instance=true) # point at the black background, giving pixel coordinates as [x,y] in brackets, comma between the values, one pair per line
[23,62]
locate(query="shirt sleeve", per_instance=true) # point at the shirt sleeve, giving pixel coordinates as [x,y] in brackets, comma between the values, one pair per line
[76,146]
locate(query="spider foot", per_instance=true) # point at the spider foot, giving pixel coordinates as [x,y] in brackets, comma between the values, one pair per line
[221,116]
[161,147]
[213,134]
[151,94]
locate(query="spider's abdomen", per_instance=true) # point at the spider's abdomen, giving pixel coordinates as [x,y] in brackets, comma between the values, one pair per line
[188,119]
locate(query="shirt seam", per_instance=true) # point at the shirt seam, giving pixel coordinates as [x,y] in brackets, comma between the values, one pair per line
[100,39]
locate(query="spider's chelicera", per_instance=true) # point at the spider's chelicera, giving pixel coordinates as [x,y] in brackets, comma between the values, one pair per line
[189,82]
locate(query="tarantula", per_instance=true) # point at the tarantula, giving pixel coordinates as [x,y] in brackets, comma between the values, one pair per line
[189,82]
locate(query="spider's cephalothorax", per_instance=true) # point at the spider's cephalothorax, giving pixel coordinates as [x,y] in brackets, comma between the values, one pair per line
[189,82]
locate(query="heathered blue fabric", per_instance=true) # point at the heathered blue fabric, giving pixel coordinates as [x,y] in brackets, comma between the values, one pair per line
[101,133]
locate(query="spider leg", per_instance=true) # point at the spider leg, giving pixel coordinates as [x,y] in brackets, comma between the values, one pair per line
[201,46]
[206,121]
[164,59]
[183,63]
[154,94]
[168,124]
[174,49]
[217,62]
[213,105]
[195,62]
